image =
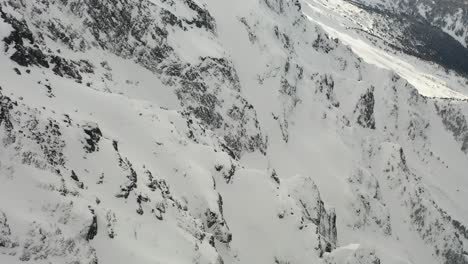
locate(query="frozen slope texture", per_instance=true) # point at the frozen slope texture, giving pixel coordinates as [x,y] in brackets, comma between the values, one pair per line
[215,131]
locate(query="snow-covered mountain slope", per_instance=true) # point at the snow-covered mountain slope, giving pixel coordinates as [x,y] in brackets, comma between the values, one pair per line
[214,131]
[450,15]
[384,41]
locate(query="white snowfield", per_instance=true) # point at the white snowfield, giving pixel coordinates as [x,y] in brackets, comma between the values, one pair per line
[216,131]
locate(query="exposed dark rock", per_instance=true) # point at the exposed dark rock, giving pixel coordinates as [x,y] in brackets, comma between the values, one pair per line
[371,212]
[216,223]
[277,6]
[455,122]
[326,224]
[94,134]
[160,211]
[71,69]
[199,97]
[461,228]
[93,228]
[75,178]
[111,220]
[322,43]
[306,194]
[131,184]
[101,179]
[115,145]
[50,94]
[211,240]
[170,19]
[325,85]
[203,19]
[230,173]
[428,220]
[298,5]
[211,218]
[28,54]
[48,242]
[6,240]
[141,199]
[6,105]
[45,134]
[143,38]
[24,55]
[365,109]
[275,177]
[250,30]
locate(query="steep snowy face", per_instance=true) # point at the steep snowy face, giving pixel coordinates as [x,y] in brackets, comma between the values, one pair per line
[183,131]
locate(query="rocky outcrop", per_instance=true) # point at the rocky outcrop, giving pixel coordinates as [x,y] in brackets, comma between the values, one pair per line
[132,178]
[454,121]
[325,86]
[216,224]
[38,140]
[6,105]
[365,109]
[93,135]
[144,39]
[6,240]
[432,224]
[49,241]
[201,95]
[307,196]
[370,209]
[93,227]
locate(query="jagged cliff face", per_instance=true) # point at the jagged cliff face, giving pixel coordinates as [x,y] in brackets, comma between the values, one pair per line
[217,132]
